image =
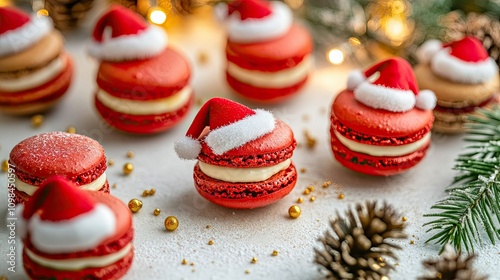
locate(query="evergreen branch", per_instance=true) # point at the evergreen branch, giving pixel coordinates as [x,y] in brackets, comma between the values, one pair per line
[472,206]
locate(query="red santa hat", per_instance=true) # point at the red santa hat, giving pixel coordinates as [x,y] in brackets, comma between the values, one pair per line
[19,30]
[120,35]
[395,89]
[61,218]
[251,21]
[463,61]
[231,125]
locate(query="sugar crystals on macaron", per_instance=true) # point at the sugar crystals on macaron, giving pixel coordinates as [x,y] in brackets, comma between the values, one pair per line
[244,155]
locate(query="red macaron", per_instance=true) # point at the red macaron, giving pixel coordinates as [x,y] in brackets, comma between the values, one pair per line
[382,127]
[269,65]
[144,85]
[252,167]
[76,157]
[102,251]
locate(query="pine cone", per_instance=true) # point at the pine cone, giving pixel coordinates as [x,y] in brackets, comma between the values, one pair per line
[360,244]
[451,267]
[67,14]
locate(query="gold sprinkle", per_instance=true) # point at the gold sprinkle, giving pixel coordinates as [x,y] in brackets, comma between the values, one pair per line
[135,205]
[5,165]
[111,162]
[128,168]
[114,185]
[341,196]
[312,198]
[303,170]
[191,264]
[326,184]
[37,120]
[157,211]
[310,140]
[310,188]
[130,154]
[306,191]
[199,102]
[152,191]
[202,58]
[396,264]
[210,242]
[294,211]
[300,200]
[412,241]
[254,260]
[184,262]
[145,193]
[404,218]
[247,271]
[71,129]
[171,223]
[208,226]
[275,253]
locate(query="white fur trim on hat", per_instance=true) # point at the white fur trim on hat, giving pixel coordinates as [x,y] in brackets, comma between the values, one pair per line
[457,70]
[380,97]
[187,147]
[426,100]
[428,49]
[25,36]
[354,79]
[84,232]
[239,133]
[148,43]
[260,29]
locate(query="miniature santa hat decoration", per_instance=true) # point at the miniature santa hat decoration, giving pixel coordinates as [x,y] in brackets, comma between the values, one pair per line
[120,35]
[231,125]
[61,218]
[464,61]
[19,30]
[394,90]
[251,21]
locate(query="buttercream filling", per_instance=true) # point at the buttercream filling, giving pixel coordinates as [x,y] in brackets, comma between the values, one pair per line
[381,151]
[149,107]
[92,186]
[36,78]
[283,78]
[80,263]
[242,175]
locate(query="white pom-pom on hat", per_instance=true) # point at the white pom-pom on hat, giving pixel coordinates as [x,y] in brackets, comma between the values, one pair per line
[354,79]
[187,147]
[426,100]
[428,49]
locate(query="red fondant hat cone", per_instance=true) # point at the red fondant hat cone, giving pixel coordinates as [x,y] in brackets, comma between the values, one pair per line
[395,89]
[121,35]
[19,30]
[231,125]
[255,20]
[463,61]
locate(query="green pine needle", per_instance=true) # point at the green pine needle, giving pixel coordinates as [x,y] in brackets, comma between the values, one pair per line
[472,207]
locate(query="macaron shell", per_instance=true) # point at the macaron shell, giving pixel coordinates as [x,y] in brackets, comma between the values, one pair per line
[378,166]
[264,95]
[245,195]
[157,77]
[449,91]
[273,55]
[143,124]
[378,122]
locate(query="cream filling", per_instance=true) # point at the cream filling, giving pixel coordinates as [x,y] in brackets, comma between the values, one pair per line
[380,151]
[92,186]
[283,78]
[81,263]
[156,106]
[34,79]
[242,175]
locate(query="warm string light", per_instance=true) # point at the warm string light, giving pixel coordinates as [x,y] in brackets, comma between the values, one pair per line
[157,16]
[336,56]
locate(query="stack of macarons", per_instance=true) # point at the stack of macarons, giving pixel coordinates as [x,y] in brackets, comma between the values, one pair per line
[35,70]
[69,233]
[143,84]
[268,56]
[463,77]
[380,125]
[77,157]
[244,155]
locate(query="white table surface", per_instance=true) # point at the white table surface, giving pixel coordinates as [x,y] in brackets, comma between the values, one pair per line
[239,235]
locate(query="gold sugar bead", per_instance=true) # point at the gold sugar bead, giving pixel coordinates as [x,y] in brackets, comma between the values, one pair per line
[341,196]
[404,218]
[5,165]
[111,162]
[114,185]
[145,193]
[37,120]
[152,191]
[275,253]
[171,223]
[210,242]
[184,262]
[135,205]
[312,198]
[300,200]
[128,168]
[157,211]
[311,188]
[71,129]
[326,184]
[303,170]
[306,191]
[247,271]
[294,211]
[130,154]
[254,260]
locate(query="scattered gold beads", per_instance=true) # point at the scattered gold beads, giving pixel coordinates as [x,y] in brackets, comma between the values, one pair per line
[310,140]
[294,211]
[71,129]
[306,191]
[275,253]
[312,198]
[254,260]
[404,219]
[208,226]
[326,184]
[210,242]
[152,191]
[247,271]
[130,154]
[37,120]
[191,264]
[5,165]
[135,205]
[202,58]
[412,241]
[114,186]
[184,262]
[310,188]
[300,200]
[111,162]
[303,170]
[171,223]
[341,196]
[157,211]
[145,193]
[128,168]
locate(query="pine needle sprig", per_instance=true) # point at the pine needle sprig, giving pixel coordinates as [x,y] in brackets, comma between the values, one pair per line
[472,206]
